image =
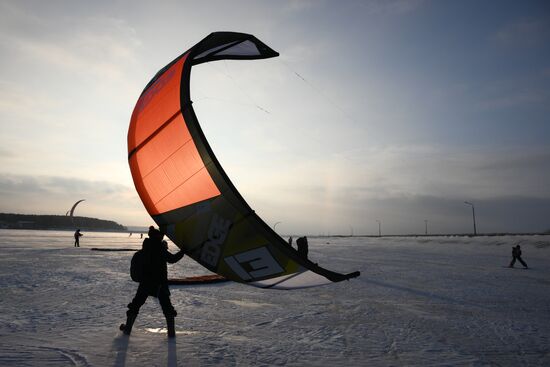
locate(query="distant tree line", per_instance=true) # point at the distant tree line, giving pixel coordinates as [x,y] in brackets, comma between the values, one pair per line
[32,221]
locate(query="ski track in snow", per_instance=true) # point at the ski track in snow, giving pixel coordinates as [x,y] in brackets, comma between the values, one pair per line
[426,301]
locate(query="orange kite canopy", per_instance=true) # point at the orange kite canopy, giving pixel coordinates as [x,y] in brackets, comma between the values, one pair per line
[185,189]
[166,166]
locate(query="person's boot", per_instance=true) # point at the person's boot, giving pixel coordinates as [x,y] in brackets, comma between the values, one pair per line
[170,323]
[127,328]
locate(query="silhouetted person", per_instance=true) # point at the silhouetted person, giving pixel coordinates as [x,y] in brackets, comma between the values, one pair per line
[155,281]
[516,254]
[301,242]
[290,241]
[77,236]
[141,235]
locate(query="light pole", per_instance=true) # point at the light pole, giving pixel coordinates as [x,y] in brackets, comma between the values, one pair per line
[473,215]
[426,223]
[379,228]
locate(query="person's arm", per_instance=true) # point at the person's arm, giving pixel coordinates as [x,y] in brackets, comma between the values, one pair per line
[173,258]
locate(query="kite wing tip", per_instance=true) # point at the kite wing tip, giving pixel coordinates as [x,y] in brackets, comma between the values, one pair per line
[355,274]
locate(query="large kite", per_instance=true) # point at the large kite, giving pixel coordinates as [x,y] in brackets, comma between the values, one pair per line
[188,194]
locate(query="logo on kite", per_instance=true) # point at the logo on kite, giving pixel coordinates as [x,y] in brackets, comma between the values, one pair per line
[217,233]
[259,261]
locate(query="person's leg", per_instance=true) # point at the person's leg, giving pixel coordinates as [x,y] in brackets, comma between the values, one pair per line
[133,309]
[171,326]
[165,303]
[522,262]
[168,310]
[513,262]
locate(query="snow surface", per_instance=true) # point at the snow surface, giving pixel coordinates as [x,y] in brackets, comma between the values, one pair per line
[419,302]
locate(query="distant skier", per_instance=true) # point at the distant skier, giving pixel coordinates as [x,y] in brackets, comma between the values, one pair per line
[77,236]
[516,254]
[154,280]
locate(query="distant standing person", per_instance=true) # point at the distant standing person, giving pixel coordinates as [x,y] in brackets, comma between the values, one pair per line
[516,255]
[77,236]
[153,280]
[303,247]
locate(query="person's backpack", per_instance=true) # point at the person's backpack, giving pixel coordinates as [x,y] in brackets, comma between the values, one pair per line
[138,266]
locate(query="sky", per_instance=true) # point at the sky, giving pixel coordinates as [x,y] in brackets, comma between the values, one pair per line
[376,111]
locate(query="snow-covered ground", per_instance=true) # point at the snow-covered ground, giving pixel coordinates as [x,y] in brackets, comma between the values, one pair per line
[419,302]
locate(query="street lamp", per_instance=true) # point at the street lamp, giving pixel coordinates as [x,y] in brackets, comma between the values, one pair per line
[379,228]
[426,223]
[473,215]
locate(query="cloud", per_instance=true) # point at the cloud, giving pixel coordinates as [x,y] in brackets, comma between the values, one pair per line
[55,195]
[102,47]
[446,171]
[5,153]
[405,214]
[518,93]
[400,184]
[356,135]
[15,104]
[519,98]
[300,5]
[524,33]
[384,7]
[66,96]
[451,215]
[56,185]
[96,58]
